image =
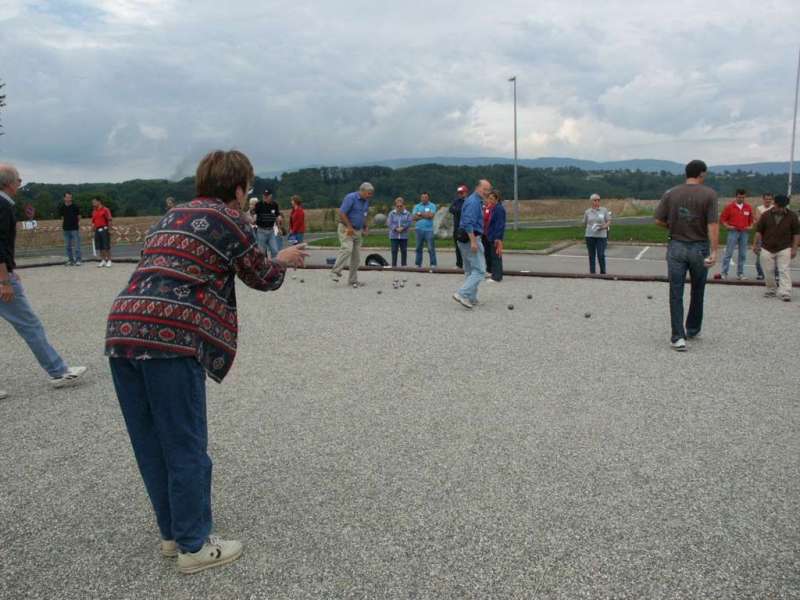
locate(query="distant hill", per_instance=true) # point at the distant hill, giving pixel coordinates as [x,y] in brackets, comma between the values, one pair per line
[646,165]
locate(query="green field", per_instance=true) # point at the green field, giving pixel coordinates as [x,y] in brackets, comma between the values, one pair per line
[538,239]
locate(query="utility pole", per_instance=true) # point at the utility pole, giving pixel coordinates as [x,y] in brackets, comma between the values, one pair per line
[516,183]
[794,124]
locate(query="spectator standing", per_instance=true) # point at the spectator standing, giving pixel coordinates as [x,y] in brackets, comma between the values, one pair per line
[470,230]
[14,305]
[596,220]
[399,224]
[423,214]
[777,236]
[267,213]
[494,232]
[101,224]
[169,204]
[455,210]
[71,224]
[297,221]
[353,225]
[690,212]
[767,202]
[737,218]
[178,311]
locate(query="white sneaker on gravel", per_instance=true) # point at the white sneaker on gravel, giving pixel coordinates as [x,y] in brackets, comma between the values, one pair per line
[462,301]
[108,263]
[214,553]
[68,379]
[679,345]
[101,264]
[169,549]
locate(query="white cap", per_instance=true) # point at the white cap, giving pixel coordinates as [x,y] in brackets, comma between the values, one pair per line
[594,197]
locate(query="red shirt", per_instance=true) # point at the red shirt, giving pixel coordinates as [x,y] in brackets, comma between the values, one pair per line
[101,217]
[487,216]
[738,218]
[297,220]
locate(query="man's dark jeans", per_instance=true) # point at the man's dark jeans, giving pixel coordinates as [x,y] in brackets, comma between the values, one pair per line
[163,401]
[683,257]
[459,260]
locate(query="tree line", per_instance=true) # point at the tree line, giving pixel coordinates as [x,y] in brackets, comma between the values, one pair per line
[324,187]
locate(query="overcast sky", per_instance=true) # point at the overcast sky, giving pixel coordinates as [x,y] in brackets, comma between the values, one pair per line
[108,90]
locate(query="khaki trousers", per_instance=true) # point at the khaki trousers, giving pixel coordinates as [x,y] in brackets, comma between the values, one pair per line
[350,251]
[780,261]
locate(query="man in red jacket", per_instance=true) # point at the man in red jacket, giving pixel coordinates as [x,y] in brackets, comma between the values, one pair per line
[737,218]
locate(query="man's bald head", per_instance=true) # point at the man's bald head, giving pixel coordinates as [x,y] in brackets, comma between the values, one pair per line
[483,188]
[9,179]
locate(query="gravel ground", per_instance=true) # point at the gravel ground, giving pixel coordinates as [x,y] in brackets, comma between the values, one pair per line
[396,445]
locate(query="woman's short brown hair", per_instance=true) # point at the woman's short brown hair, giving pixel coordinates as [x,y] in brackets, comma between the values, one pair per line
[296,199]
[220,173]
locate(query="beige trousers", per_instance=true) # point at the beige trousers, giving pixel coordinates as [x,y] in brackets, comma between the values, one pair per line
[781,260]
[350,251]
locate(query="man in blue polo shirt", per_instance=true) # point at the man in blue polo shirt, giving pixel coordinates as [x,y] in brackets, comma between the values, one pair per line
[423,214]
[469,242]
[353,225]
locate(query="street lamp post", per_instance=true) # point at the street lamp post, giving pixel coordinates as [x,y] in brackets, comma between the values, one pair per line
[516,186]
[794,124]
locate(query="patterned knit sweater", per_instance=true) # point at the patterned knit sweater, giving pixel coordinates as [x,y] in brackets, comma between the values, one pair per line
[181,299]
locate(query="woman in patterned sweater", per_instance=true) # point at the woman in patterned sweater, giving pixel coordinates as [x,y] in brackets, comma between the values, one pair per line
[174,323]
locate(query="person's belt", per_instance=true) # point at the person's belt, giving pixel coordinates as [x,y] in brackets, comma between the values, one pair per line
[102,228]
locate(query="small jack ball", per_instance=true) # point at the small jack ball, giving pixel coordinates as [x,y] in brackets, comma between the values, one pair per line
[510,307]
[587,315]
[419,284]
[302,281]
[649,297]
[380,292]
[530,296]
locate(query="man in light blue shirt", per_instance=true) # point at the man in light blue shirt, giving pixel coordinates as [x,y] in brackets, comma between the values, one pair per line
[353,225]
[469,242]
[423,214]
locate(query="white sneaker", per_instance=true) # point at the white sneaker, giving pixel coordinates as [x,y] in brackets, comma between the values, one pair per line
[101,264]
[68,379]
[169,549]
[462,301]
[214,553]
[108,263]
[679,345]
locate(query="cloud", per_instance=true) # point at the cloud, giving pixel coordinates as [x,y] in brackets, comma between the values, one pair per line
[115,89]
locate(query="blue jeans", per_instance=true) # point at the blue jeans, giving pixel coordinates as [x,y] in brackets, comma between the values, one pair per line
[474,270]
[425,237]
[683,257]
[402,245]
[73,238]
[163,401]
[735,238]
[597,248]
[267,241]
[20,315]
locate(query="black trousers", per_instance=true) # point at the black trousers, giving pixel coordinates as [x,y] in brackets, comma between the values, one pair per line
[494,263]
[459,260]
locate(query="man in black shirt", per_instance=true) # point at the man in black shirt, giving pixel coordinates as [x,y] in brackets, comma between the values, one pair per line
[71,217]
[267,215]
[14,305]
[455,210]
